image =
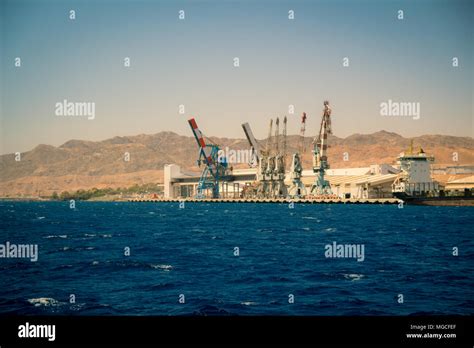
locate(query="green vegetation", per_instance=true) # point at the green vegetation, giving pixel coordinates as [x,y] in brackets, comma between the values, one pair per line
[83,195]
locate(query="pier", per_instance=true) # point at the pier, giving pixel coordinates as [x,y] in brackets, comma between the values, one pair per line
[270,200]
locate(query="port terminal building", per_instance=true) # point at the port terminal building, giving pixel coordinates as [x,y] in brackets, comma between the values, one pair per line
[374,181]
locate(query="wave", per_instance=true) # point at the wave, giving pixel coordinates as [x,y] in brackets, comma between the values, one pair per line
[133,264]
[63,236]
[163,267]
[162,286]
[248,303]
[45,301]
[353,276]
[67,248]
[211,310]
[95,235]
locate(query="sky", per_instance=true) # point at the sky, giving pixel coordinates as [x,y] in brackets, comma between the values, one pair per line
[190,62]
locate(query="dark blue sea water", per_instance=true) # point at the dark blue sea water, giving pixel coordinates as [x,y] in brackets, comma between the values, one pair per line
[190,251]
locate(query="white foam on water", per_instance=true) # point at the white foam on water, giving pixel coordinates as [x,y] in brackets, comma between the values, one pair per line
[162,267]
[309,218]
[248,303]
[95,263]
[44,301]
[353,276]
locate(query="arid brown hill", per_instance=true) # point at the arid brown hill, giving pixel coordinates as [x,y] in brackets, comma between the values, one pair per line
[81,164]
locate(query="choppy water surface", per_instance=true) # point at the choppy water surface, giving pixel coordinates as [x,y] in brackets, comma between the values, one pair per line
[191,251]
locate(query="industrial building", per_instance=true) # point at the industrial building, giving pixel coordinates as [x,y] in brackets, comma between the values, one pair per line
[268,177]
[462,184]
[355,183]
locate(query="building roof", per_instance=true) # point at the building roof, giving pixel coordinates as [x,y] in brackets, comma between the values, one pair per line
[335,180]
[466,180]
[377,179]
[345,176]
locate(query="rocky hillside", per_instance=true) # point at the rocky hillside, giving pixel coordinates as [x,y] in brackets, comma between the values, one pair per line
[79,164]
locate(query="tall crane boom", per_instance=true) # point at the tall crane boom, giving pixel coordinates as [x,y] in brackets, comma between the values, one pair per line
[205,151]
[215,170]
[320,160]
[252,141]
[284,137]
[297,188]
[277,137]
[302,132]
[321,141]
[269,139]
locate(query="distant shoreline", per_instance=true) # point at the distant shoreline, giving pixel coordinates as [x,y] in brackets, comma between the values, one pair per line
[42,199]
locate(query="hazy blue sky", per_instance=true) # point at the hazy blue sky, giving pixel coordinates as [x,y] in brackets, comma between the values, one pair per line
[190,62]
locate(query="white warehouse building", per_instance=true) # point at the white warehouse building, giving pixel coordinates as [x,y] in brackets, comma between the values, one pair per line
[374,181]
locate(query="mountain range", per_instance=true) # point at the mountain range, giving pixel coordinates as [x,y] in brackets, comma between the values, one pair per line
[80,164]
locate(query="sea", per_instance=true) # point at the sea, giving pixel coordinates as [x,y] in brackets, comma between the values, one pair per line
[163,259]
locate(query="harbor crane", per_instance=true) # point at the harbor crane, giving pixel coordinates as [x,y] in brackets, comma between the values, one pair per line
[279,188]
[258,158]
[297,188]
[320,161]
[271,161]
[266,166]
[216,168]
[255,155]
[301,147]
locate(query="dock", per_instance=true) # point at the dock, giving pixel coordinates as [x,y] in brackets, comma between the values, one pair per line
[269,200]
